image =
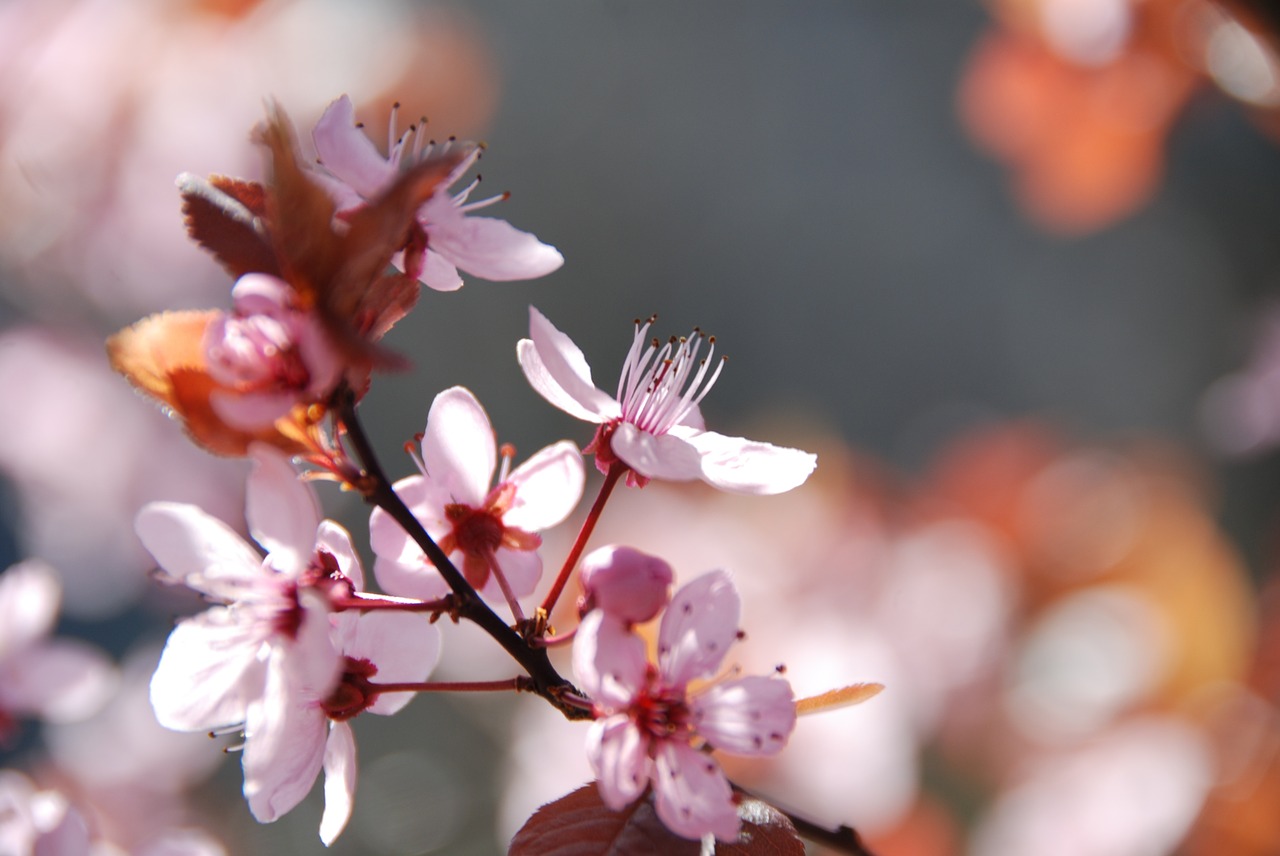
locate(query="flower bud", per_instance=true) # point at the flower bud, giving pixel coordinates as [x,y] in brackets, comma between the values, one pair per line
[625,583]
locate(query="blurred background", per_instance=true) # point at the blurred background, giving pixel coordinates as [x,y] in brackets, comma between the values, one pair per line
[1012,270]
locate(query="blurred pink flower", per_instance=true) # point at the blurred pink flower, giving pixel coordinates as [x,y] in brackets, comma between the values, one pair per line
[654,425]
[271,353]
[651,728]
[38,821]
[354,172]
[54,679]
[490,528]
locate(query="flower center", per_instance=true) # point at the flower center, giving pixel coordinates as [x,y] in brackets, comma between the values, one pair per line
[476,531]
[661,384]
[661,712]
[354,692]
[288,619]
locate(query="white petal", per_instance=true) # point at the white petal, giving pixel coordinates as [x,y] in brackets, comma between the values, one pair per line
[313,660]
[618,753]
[747,466]
[459,447]
[62,680]
[426,500]
[404,646]
[698,628]
[692,795]
[522,570]
[336,541]
[558,371]
[208,673]
[666,457]
[29,596]
[437,273]
[199,549]
[283,512]
[339,781]
[409,579]
[348,153]
[285,735]
[486,247]
[609,661]
[548,487]
[749,716]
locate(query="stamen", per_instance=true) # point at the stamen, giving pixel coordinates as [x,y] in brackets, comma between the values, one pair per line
[507,453]
[391,130]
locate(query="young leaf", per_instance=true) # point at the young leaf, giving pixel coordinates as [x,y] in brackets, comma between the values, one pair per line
[223,215]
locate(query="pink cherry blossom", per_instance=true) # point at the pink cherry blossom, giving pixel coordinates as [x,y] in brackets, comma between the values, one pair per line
[267,622]
[492,531]
[651,729]
[273,354]
[54,679]
[625,583]
[38,821]
[354,172]
[653,425]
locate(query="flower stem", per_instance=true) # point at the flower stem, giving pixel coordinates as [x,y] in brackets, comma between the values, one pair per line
[376,489]
[616,470]
[518,684]
[366,601]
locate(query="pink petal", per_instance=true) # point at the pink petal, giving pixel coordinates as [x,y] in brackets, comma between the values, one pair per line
[339,781]
[609,661]
[208,673]
[458,446]
[522,569]
[698,628]
[548,487]
[625,583]
[198,549]
[283,512]
[314,661]
[618,753]
[439,274]
[62,680]
[336,541]
[486,247]
[285,735]
[348,153]
[29,596]
[558,371]
[749,716]
[666,457]
[252,411]
[409,579]
[747,466]
[426,500]
[405,647]
[692,795]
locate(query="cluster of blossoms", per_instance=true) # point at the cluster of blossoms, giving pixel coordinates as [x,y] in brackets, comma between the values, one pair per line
[328,254]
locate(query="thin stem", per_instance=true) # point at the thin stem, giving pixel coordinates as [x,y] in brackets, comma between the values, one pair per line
[616,470]
[518,684]
[366,601]
[376,488]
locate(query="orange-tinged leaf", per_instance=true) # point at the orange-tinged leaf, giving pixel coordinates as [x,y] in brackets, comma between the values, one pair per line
[162,355]
[836,699]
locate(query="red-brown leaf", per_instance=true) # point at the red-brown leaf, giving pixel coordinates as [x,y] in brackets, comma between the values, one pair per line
[579,824]
[222,215]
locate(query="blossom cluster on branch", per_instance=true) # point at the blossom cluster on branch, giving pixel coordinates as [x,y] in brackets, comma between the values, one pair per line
[328,253]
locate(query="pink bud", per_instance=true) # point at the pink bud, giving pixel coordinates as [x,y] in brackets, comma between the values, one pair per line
[625,583]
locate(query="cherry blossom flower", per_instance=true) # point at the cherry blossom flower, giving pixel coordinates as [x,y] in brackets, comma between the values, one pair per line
[38,821]
[286,747]
[651,728]
[269,354]
[54,679]
[654,425]
[267,623]
[625,583]
[448,238]
[492,530]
